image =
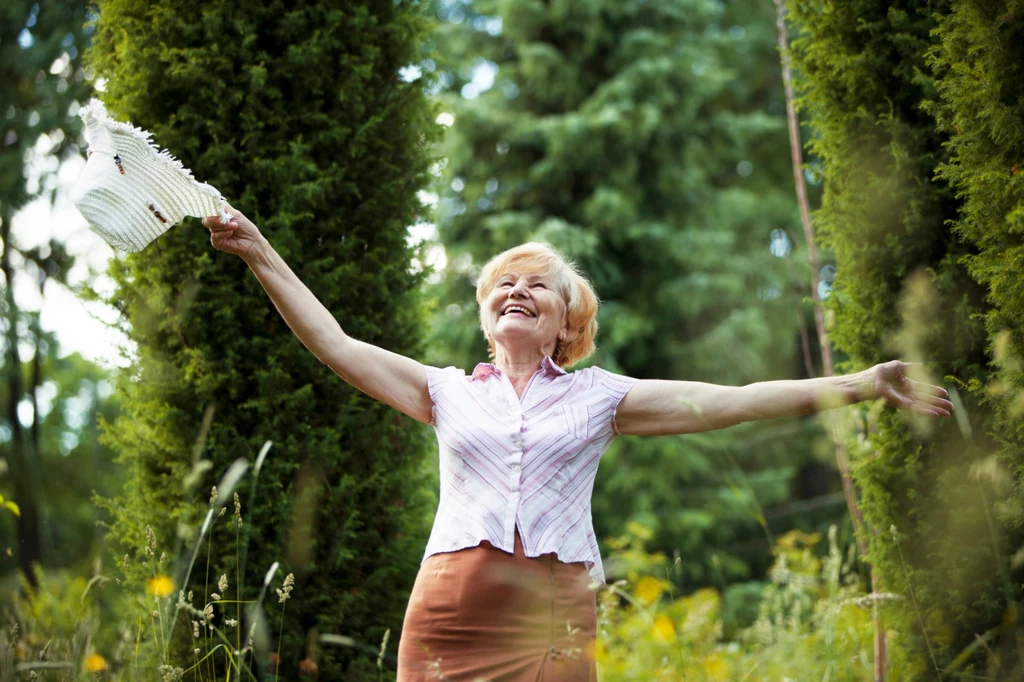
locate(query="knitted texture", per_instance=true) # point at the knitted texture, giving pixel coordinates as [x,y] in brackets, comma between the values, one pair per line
[131,192]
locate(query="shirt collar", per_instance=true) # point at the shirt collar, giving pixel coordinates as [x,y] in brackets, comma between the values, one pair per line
[486,369]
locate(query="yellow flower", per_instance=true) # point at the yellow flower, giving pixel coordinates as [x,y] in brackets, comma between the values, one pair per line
[95,663]
[649,590]
[716,668]
[159,586]
[664,631]
[639,530]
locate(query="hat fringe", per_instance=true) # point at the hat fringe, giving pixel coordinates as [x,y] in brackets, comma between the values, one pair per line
[96,111]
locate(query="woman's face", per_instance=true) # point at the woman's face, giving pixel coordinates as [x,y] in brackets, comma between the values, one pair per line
[524,309]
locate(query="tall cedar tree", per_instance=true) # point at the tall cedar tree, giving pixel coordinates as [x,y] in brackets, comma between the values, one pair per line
[297,113]
[903,289]
[41,78]
[980,78]
[648,142]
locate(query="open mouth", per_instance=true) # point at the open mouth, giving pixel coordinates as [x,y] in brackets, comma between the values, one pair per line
[517,311]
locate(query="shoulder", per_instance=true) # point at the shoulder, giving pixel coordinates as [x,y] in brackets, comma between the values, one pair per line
[445,373]
[439,377]
[608,384]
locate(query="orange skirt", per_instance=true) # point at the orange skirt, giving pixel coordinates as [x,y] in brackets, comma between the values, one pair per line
[484,614]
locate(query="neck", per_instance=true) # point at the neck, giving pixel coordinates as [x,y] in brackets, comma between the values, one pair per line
[519,364]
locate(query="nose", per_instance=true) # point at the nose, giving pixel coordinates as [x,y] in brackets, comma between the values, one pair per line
[519,290]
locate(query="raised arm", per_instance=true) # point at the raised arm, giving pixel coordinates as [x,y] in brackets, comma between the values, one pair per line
[393,379]
[667,407]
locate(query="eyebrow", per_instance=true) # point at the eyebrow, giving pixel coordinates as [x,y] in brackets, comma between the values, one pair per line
[516,274]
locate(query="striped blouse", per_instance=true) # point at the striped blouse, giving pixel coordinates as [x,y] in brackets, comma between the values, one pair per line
[528,462]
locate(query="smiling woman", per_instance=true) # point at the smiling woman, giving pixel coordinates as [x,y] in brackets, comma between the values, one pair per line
[504,591]
[553,281]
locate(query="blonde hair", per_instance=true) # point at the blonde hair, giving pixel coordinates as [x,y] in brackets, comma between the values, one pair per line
[580,299]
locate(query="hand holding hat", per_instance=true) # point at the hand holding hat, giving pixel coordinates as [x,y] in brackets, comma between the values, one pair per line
[238,235]
[131,192]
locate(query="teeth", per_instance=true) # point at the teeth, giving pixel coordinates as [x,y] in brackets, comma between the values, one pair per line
[517,309]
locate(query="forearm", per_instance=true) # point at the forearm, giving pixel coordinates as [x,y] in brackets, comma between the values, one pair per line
[307,317]
[774,399]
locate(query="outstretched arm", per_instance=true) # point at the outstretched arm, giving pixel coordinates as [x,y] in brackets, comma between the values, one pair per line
[394,379]
[667,407]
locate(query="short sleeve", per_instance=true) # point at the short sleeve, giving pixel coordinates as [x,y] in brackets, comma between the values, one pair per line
[611,389]
[438,380]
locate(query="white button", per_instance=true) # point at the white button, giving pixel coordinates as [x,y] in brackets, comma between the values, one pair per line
[516,468]
[515,493]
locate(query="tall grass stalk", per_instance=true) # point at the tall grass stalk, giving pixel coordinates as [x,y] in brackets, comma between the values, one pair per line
[672,596]
[240,563]
[913,598]
[226,488]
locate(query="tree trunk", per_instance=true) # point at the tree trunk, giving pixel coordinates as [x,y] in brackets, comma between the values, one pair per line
[28,540]
[842,458]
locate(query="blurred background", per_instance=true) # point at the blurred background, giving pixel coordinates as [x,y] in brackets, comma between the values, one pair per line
[387,150]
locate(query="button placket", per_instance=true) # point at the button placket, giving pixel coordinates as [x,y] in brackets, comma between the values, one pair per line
[516,452]
[517,458]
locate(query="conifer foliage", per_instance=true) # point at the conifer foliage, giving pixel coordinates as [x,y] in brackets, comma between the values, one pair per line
[297,113]
[908,286]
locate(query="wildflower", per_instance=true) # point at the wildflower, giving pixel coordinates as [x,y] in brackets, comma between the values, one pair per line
[664,631]
[238,510]
[190,596]
[95,663]
[163,558]
[214,596]
[195,629]
[231,622]
[170,674]
[308,667]
[716,668]
[208,613]
[286,589]
[159,586]
[213,495]
[222,510]
[649,589]
[222,584]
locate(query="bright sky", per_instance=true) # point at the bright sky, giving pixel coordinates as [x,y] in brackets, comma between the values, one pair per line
[79,327]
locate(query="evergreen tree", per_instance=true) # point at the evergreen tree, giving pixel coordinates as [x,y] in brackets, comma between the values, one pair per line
[297,113]
[980,107]
[647,141]
[902,289]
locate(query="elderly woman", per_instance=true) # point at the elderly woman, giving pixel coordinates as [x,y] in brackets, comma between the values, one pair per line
[505,590]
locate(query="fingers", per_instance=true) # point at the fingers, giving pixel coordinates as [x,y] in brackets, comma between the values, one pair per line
[929,405]
[213,223]
[927,389]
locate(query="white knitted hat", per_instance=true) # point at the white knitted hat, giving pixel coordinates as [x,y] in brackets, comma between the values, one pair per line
[131,192]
